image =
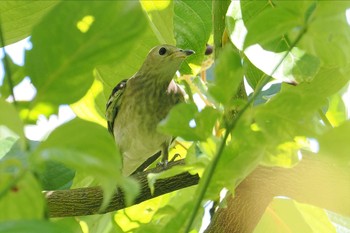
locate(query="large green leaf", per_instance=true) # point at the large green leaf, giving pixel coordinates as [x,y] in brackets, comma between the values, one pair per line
[19,17]
[87,148]
[192,35]
[73,39]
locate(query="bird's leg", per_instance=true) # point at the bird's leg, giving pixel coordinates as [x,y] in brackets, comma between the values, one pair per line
[165,154]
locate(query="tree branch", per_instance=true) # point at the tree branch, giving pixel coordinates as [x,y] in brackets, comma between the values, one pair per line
[312,181]
[87,201]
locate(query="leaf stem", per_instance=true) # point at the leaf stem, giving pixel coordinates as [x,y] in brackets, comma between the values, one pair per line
[230,127]
[7,64]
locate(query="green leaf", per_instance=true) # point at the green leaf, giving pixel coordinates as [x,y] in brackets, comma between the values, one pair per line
[9,118]
[87,148]
[192,35]
[20,193]
[228,75]
[160,14]
[328,34]
[334,144]
[185,121]
[95,33]
[19,17]
[270,24]
[32,226]
[55,176]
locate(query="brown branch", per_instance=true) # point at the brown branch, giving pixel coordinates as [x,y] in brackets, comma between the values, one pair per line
[312,181]
[87,201]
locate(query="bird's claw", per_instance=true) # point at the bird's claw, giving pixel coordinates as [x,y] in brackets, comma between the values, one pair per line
[177,155]
[163,163]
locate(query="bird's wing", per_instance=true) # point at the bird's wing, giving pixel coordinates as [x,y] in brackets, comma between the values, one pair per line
[113,104]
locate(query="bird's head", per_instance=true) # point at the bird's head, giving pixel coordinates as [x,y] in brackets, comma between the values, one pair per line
[164,60]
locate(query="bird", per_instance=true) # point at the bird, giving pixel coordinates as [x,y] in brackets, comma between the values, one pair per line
[136,106]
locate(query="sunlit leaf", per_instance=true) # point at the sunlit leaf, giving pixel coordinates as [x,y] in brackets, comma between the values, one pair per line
[336,112]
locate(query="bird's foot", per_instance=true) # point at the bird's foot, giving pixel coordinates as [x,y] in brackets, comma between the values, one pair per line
[163,164]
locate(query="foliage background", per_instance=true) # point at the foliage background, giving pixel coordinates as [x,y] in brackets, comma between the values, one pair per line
[80,50]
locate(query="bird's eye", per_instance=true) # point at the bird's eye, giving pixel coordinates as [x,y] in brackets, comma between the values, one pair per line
[162,51]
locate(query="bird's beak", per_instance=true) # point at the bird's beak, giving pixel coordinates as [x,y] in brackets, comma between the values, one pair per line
[188,52]
[184,53]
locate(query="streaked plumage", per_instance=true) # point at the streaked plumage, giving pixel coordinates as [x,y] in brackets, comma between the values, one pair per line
[138,104]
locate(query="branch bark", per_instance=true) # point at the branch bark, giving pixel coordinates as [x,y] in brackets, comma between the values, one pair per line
[312,181]
[87,201]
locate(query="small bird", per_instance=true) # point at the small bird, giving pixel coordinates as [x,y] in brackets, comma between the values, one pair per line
[136,106]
